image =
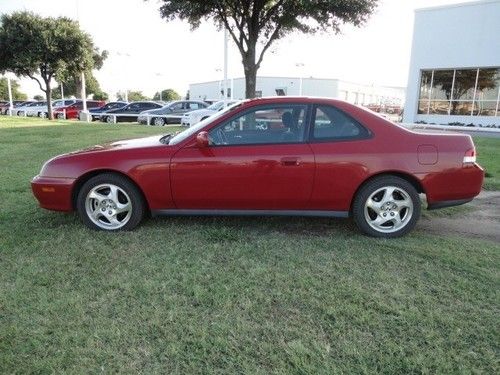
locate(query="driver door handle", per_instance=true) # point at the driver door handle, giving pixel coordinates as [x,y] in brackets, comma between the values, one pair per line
[290,161]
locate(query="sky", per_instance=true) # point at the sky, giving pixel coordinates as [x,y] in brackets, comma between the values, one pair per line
[146,53]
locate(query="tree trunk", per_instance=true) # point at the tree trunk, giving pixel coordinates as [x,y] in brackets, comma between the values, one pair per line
[48,95]
[251,68]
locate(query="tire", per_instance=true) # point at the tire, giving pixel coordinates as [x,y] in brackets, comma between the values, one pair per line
[111,203]
[159,121]
[386,207]
[43,115]
[109,119]
[60,116]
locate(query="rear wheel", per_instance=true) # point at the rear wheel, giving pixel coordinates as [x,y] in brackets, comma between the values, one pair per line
[110,202]
[387,207]
[109,119]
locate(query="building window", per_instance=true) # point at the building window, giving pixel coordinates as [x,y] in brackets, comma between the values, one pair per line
[464,92]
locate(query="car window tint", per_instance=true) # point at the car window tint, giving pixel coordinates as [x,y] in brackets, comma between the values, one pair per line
[331,123]
[263,125]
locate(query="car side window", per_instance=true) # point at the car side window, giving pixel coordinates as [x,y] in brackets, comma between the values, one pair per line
[263,125]
[331,124]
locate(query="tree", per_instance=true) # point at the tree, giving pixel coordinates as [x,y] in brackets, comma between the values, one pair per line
[73,83]
[262,22]
[41,48]
[132,96]
[167,95]
[38,97]
[100,95]
[14,85]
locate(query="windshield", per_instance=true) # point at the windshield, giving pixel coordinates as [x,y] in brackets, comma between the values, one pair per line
[190,131]
[216,106]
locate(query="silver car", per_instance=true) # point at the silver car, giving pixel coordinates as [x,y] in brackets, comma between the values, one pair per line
[193,117]
[171,113]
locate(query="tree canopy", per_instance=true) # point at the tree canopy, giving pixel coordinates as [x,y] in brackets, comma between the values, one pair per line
[16,93]
[261,22]
[132,96]
[43,48]
[167,95]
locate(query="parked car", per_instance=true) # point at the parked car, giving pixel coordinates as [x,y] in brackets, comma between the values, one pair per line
[21,110]
[72,111]
[95,113]
[171,113]
[15,104]
[129,113]
[43,111]
[328,158]
[193,117]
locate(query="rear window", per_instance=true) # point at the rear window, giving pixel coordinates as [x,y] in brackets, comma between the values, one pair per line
[331,123]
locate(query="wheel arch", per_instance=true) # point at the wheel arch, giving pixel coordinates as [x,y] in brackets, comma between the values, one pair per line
[403,175]
[87,176]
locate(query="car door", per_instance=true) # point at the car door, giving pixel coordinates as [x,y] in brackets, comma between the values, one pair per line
[342,148]
[257,160]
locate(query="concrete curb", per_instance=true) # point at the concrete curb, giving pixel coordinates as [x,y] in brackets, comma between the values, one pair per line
[450,127]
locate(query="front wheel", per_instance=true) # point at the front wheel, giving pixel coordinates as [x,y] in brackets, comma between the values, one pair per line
[159,121]
[387,207]
[110,202]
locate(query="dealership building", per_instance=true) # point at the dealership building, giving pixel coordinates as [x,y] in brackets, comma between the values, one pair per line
[455,65]
[297,86]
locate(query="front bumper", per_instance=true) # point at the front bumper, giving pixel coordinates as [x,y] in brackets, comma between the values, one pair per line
[53,193]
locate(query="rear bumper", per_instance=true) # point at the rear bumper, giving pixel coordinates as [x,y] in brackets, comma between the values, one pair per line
[53,193]
[453,187]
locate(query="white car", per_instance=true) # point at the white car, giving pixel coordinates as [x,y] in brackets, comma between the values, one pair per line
[193,117]
[21,111]
[43,111]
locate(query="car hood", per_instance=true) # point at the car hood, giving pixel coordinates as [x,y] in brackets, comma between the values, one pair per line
[200,112]
[127,144]
[154,111]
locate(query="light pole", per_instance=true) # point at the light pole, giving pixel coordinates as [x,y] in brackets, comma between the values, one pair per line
[226,37]
[300,65]
[9,88]
[161,91]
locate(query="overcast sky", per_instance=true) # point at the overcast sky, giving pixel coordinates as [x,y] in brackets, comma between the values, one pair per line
[147,53]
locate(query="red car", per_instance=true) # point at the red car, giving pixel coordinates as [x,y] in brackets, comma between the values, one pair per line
[329,158]
[72,111]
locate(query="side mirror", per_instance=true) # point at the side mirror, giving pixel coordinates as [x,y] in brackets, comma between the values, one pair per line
[202,139]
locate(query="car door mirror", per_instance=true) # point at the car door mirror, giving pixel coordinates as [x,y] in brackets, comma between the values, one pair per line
[202,139]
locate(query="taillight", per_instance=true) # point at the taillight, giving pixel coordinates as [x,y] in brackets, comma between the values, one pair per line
[470,156]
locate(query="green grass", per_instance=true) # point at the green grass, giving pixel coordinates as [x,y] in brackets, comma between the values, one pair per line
[489,158]
[228,295]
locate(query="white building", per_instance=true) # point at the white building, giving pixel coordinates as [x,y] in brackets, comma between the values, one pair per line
[455,65]
[293,86]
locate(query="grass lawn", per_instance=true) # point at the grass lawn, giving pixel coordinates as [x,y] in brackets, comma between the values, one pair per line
[489,157]
[229,295]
